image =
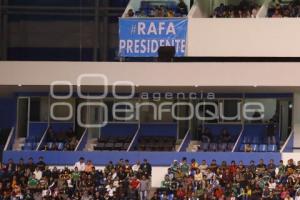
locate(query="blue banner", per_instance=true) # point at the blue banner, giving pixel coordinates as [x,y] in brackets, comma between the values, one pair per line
[142,37]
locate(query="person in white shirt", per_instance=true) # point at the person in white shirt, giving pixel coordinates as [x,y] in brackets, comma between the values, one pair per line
[80,164]
[136,167]
[297,196]
[38,173]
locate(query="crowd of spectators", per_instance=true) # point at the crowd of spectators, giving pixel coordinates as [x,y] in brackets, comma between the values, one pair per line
[234,181]
[62,141]
[246,9]
[179,10]
[36,181]
[292,9]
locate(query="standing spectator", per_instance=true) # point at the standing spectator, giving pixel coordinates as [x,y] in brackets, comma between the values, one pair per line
[41,164]
[271,132]
[146,168]
[80,164]
[144,188]
[182,8]
[89,166]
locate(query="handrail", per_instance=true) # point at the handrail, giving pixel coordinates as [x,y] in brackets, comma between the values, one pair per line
[79,142]
[263,11]
[238,140]
[11,133]
[287,141]
[42,139]
[183,141]
[133,139]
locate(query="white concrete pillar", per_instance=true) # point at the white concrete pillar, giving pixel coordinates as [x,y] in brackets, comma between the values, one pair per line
[296,121]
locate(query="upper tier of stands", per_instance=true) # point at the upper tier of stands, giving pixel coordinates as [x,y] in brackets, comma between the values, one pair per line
[159,8]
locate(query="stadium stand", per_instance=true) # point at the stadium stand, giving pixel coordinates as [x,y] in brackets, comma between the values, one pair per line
[195,180]
[159,9]
[245,9]
[35,180]
[285,9]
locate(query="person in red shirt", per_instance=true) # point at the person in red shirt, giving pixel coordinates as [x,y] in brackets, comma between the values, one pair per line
[135,183]
[232,168]
[180,193]
[219,192]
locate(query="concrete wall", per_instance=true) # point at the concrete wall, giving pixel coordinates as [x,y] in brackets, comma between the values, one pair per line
[223,75]
[258,37]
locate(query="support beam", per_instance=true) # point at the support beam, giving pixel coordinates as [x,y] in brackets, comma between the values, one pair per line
[105,29]
[1,28]
[96,44]
[4,32]
[296,121]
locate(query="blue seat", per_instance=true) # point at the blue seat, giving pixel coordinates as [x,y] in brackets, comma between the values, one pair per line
[49,145]
[242,147]
[272,148]
[205,146]
[60,146]
[213,147]
[222,147]
[254,147]
[263,148]
[28,146]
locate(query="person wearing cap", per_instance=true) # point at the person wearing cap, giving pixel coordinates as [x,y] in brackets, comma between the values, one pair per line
[80,164]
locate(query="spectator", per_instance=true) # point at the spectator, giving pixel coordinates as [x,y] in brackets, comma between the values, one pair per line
[146,168]
[89,166]
[182,8]
[144,188]
[248,148]
[80,164]
[271,132]
[130,13]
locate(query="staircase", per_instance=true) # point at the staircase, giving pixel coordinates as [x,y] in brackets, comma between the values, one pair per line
[19,143]
[90,144]
[193,146]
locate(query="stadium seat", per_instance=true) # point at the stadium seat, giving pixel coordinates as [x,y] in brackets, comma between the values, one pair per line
[272,148]
[263,148]
[255,147]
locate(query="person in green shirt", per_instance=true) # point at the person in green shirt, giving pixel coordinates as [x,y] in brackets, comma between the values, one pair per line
[185,168]
[32,182]
[75,177]
[166,183]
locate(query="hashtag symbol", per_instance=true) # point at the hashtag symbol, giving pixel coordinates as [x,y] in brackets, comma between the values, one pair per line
[133,29]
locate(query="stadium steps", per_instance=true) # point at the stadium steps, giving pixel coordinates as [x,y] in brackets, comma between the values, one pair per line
[193,146]
[90,144]
[19,143]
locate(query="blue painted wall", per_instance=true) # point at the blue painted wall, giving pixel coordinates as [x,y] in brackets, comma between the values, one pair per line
[118,130]
[8,112]
[156,129]
[155,158]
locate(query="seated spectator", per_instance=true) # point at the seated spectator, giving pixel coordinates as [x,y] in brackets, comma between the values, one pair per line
[225,136]
[245,9]
[130,13]
[277,14]
[170,13]
[206,136]
[248,148]
[182,8]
